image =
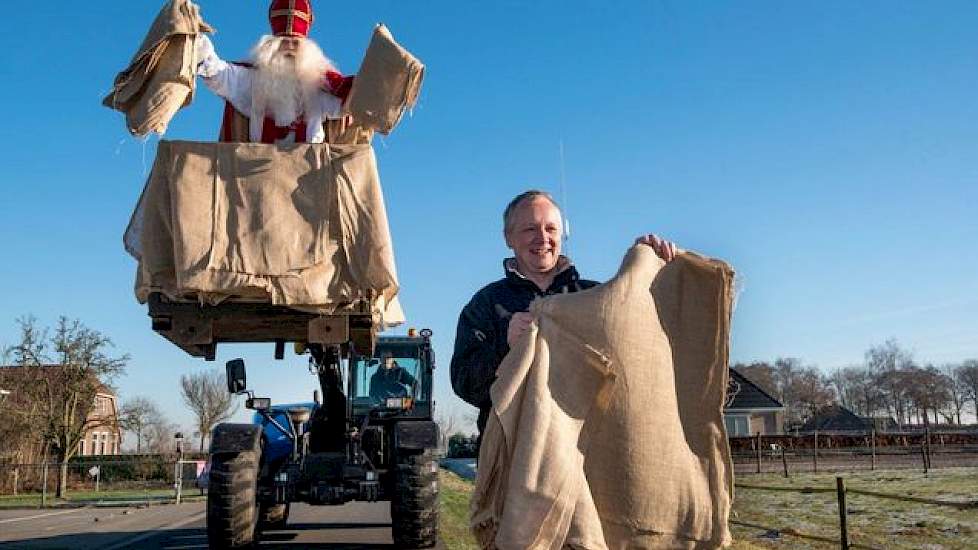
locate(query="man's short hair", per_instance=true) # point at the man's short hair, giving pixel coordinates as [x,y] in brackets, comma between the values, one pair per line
[519,199]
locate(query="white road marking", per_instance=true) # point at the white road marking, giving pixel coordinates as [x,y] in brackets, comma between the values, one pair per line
[132,541]
[58,513]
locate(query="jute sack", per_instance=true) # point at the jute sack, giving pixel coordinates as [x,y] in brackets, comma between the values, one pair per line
[387,84]
[607,429]
[160,78]
[302,225]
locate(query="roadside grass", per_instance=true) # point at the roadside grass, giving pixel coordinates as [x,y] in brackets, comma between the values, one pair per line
[764,518]
[454,519]
[80,497]
[453,510]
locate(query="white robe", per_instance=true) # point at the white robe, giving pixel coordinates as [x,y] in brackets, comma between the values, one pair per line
[234,84]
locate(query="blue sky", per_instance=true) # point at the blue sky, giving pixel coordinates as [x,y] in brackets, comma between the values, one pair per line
[827,150]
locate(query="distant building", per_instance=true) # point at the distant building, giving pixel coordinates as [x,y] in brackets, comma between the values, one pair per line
[750,410]
[836,418]
[103,437]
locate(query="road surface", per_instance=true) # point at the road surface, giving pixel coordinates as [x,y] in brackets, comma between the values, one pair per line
[357,525]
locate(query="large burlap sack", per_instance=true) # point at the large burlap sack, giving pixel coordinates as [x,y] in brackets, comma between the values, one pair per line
[302,225]
[160,78]
[606,428]
[387,84]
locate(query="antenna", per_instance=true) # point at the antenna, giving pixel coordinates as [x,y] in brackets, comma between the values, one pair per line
[563,196]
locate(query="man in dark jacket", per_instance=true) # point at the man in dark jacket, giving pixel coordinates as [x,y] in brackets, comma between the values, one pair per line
[497,316]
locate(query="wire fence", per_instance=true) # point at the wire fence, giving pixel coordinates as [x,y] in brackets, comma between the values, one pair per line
[103,479]
[828,452]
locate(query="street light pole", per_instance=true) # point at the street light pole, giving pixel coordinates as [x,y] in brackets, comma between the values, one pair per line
[178,467]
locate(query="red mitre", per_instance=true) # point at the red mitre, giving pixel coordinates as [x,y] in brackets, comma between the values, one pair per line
[290,17]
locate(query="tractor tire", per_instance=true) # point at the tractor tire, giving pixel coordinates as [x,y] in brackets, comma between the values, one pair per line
[273,516]
[232,500]
[414,504]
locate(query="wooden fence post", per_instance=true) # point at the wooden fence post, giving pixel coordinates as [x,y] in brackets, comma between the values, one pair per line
[927,446]
[757,445]
[840,488]
[815,454]
[784,461]
[923,456]
[872,445]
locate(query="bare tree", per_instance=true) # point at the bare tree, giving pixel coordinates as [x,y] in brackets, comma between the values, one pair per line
[207,396]
[760,373]
[62,375]
[137,415]
[885,362]
[967,376]
[958,392]
[446,427]
[159,437]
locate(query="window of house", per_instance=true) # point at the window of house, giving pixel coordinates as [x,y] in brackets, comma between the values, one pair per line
[81,448]
[736,425]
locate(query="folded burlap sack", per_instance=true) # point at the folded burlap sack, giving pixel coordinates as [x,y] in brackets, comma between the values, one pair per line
[387,84]
[160,79]
[606,428]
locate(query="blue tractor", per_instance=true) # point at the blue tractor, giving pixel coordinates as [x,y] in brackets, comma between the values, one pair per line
[369,437]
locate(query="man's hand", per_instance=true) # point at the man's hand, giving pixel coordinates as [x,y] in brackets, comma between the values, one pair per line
[664,249]
[519,324]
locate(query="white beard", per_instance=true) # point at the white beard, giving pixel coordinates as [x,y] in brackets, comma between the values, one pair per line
[286,87]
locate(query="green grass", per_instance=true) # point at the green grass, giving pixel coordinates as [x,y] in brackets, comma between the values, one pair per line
[797,516]
[453,510]
[873,522]
[34,499]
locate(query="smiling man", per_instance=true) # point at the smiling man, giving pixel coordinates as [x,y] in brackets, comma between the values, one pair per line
[497,316]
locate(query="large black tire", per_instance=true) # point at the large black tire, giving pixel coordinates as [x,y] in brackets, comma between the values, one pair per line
[414,504]
[273,516]
[232,500]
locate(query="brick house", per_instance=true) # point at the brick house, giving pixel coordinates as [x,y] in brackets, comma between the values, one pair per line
[104,437]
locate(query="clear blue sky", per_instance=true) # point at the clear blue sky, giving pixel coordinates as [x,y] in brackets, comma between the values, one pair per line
[827,150]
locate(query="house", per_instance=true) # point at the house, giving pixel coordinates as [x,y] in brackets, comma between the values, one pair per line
[102,437]
[836,418]
[750,410]
[105,437]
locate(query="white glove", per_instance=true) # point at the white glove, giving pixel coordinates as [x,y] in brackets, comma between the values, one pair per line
[203,52]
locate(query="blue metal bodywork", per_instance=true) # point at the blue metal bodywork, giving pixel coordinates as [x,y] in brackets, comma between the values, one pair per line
[277,444]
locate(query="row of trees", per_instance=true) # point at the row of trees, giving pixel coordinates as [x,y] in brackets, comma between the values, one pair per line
[204,393]
[889,384]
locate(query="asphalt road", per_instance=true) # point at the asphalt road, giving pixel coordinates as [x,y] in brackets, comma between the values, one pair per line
[356,525]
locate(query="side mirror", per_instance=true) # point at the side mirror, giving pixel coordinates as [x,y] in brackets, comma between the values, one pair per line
[258,403]
[237,379]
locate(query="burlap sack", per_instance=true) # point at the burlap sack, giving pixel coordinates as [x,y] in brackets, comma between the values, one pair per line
[301,225]
[387,84]
[607,428]
[160,79]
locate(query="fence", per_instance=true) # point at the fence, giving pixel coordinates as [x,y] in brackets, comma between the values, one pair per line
[106,478]
[880,498]
[840,452]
